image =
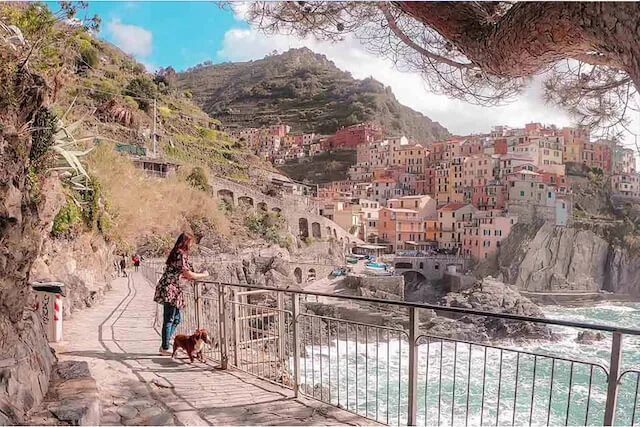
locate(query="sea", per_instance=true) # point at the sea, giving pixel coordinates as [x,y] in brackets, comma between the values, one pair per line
[560,382]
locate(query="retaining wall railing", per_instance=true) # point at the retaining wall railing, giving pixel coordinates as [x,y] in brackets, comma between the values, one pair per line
[402,375]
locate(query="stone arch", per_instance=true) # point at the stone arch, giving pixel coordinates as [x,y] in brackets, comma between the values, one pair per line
[226,195]
[328,231]
[303,226]
[298,274]
[263,207]
[335,234]
[276,209]
[311,274]
[246,200]
[403,265]
[315,230]
[421,265]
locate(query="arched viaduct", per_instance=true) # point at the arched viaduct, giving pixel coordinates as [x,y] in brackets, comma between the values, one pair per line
[300,213]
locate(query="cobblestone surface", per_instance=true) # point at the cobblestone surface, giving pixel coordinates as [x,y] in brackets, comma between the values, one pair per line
[139,387]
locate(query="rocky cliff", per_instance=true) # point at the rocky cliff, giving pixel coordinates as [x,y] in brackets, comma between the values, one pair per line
[84,265]
[565,259]
[25,357]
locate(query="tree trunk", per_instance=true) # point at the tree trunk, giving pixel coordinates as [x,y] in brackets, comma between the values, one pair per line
[531,36]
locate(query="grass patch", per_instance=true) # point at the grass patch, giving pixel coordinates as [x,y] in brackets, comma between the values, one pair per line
[143,206]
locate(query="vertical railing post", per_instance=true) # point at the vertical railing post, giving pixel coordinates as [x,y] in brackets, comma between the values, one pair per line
[296,347]
[612,386]
[236,325]
[224,357]
[196,293]
[413,366]
[281,330]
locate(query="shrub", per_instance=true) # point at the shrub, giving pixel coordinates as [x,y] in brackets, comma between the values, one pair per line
[164,111]
[105,91]
[130,102]
[187,94]
[198,179]
[141,87]
[66,220]
[89,57]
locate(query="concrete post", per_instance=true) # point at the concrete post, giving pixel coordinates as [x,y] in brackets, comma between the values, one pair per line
[612,385]
[413,366]
[296,349]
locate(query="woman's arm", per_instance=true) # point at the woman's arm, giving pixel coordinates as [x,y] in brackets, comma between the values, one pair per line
[188,274]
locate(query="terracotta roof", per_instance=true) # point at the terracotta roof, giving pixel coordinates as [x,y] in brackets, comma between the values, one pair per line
[453,206]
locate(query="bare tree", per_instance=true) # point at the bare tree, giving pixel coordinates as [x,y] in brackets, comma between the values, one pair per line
[487,52]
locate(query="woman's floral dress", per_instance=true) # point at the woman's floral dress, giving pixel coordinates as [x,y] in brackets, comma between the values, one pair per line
[168,288]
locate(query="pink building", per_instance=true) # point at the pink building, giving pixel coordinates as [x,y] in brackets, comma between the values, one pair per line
[483,235]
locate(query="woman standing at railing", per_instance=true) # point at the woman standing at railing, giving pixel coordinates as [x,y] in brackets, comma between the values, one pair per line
[168,290]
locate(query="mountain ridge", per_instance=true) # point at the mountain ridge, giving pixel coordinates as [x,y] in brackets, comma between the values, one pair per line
[303,89]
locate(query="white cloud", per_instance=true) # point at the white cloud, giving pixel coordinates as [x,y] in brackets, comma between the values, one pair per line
[457,116]
[132,39]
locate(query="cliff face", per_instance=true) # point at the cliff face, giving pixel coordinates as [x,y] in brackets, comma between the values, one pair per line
[84,265]
[565,259]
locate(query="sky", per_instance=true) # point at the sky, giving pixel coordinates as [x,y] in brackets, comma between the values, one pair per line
[182,34]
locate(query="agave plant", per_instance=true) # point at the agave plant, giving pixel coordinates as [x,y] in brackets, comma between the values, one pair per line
[65,146]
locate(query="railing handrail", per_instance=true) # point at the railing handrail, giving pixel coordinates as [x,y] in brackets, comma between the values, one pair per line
[458,310]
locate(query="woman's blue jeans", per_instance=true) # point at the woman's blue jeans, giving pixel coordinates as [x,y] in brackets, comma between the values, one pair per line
[171,319]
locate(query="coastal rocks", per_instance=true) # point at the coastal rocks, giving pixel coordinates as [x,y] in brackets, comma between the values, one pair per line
[563,259]
[550,258]
[589,337]
[493,296]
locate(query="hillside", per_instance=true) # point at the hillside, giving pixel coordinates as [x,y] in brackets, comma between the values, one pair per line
[304,90]
[326,167]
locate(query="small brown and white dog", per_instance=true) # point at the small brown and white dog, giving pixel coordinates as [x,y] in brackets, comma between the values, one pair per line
[193,345]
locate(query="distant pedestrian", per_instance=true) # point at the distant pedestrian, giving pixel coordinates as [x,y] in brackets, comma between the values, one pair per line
[123,266]
[168,290]
[136,261]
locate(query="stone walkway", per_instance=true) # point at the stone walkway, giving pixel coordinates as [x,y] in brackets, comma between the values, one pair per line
[138,387]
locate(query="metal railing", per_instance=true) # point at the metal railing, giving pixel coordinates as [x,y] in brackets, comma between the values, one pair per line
[402,374]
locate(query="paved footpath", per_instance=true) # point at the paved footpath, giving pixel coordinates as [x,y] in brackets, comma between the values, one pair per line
[138,387]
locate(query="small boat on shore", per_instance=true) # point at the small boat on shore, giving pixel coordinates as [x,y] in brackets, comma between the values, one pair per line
[351,260]
[378,269]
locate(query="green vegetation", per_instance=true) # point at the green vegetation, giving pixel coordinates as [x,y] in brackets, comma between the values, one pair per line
[143,90]
[270,226]
[198,180]
[67,220]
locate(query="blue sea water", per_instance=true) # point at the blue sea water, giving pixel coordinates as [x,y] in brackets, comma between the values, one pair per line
[540,383]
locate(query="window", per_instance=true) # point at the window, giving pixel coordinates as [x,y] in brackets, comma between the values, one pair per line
[522,194]
[549,195]
[436,266]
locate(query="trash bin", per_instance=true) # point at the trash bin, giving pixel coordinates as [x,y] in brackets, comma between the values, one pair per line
[50,297]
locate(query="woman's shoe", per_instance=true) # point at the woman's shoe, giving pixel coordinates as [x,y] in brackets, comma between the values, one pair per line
[164,352]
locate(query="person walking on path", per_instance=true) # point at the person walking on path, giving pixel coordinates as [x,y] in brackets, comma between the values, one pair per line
[123,266]
[136,261]
[169,292]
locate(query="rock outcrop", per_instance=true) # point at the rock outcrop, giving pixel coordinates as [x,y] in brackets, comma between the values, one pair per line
[493,296]
[84,265]
[25,357]
[564,259]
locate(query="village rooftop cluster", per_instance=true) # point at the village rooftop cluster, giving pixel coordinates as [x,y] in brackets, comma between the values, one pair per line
[463,194]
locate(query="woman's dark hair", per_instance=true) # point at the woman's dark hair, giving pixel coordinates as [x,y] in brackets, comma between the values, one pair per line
[182,245]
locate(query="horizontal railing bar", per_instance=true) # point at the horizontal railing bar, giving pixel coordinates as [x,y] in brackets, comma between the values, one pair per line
[435,337]
[258,316]
[352,322]
[260,291]
[458,310]
[258,340]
